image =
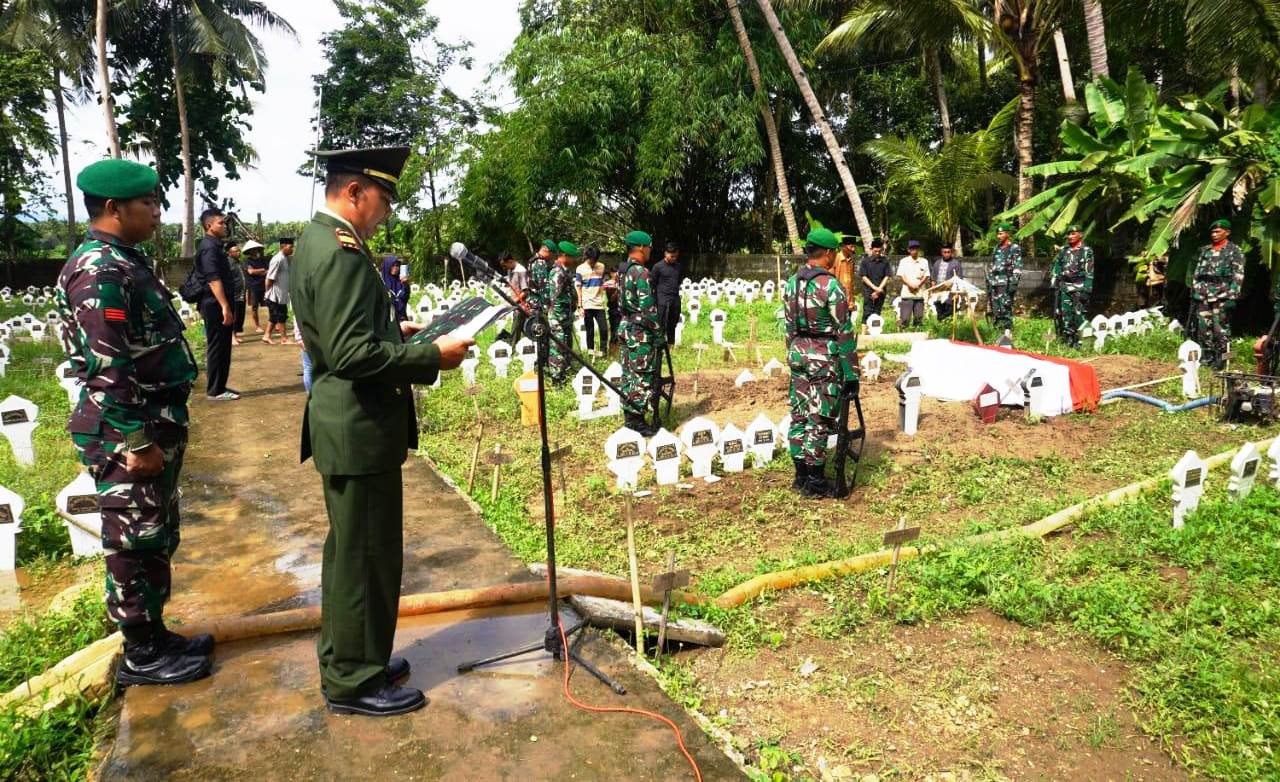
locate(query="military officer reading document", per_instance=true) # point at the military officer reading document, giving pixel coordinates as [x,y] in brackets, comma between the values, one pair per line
[358,427]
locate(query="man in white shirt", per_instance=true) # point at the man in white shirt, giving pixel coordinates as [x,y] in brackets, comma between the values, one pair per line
[277,295]
[913,273]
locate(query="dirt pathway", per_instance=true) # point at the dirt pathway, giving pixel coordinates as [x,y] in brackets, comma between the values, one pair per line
[253,528]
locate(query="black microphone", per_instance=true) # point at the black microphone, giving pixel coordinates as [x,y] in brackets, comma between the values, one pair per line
[478,266]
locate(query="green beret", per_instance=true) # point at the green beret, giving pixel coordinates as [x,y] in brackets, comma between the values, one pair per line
[822,237]
[120,179]
[1075,229]
[638,239]
[1005,227]
[569,248]
[1223,224]
[551,245]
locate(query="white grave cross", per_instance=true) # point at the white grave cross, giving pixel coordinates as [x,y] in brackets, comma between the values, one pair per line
[1244,471]
[733,448]
[17,422]
[1188,484]
[500,357]
[701,439]
[761,439]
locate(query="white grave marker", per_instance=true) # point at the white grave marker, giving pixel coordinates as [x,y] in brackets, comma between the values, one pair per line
[1273,453]
[1188,484]
[1244,471]
[1032,392]
[625,449]
[875,325]
[79,499]
[664,449]
[733,448]
[69,381]
[870,366]
[744,378]
[773,365]
[584,387]
[909,393]
[527,352]
[717,326]
[1174,326]
[761,439]
[500,357]
[1189,362]
[469,365]
[11,507]
[701,439]
[694,308]
[17,422]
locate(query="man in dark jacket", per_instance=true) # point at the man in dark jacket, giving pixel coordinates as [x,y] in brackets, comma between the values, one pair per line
[666,289]
[214,269]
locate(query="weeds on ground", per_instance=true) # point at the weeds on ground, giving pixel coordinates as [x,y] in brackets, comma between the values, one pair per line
[54,745]
[30,645]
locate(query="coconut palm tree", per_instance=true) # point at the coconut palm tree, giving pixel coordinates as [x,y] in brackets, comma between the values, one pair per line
[104,79]
[1096,31]
[770,126]
[819,118]
[216,29]
[936,26]
[1022,27]
[942,187]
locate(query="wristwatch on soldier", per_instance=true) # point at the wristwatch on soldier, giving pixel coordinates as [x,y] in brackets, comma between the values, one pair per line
[139,440]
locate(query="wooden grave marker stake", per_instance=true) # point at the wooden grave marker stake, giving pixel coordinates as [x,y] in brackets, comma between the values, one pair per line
[896,538]
[666,582]
[474,392]
[557,455]
[697,365]
[637,606]
[497,459]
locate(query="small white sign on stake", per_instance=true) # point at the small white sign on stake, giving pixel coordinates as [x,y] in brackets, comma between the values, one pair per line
[527,352]
[717,326]
[870,366]
[79,499]
[1244,471]
[664,450]
[701,438]
[1188,485]
[17,422]
[1189,362]
[875,325]
[909,393]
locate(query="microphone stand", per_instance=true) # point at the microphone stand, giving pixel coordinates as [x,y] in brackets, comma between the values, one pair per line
[538,329]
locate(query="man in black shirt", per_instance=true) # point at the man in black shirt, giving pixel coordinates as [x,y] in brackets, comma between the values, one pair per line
[255,274]
[874,271]
[666,278]
[215,305]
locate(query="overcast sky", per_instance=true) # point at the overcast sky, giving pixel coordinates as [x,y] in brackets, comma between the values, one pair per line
[281,123]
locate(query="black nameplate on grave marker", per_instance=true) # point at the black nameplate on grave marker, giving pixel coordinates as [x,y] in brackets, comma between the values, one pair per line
[82,503]
[665,452]
[628,450]
[500,354]
[9,417]
[913,382]
[1193,477]
[732,447]
[1250,468]
[702,437]
[529,350]
[69,372]
[764,437]
[6,514]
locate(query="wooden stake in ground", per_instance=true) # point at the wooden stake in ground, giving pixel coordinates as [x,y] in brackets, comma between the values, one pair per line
[635,576]
[751,336]
[474,392]
[665,583]
[896,538]
[557,456]
[497,459]
[697,364]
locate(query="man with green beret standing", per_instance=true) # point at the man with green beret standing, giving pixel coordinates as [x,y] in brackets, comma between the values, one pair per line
[125,342]
[561,296]
[640,332]
[822,354]
[540,275]
[1215,288]
[1072,282]
[358,426]
[1002,278]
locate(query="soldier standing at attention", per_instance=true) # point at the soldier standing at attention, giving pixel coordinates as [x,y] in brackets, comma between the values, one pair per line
[561,296]
[359,425]
[540,274]
[821,351]
[640,332]
[1002,278]
[1072,282]
[1215,287]
[125,342]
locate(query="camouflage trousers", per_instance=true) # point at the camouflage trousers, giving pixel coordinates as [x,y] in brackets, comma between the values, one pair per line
[1068,312]
[558,358]
[640,352]
[139,522]
[1000,304]
[815,410]
[1213,332]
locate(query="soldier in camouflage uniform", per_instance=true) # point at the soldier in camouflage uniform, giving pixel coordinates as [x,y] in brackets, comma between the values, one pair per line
[821,351]
[640,332]
[540,275]
[125,342]
[561,295]
[1002,278]
[1072,283]
[1215,287]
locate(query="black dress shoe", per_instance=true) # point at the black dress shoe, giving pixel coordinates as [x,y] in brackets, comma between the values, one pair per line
[151,664]
[195,646]
[397,669]
[388,700]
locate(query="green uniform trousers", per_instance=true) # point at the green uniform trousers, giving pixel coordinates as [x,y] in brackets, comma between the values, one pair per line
[360,580]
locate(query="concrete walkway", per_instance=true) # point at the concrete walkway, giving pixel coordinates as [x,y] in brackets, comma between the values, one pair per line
[253,528]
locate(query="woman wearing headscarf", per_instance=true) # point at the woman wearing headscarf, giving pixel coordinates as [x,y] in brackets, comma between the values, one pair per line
[399,290]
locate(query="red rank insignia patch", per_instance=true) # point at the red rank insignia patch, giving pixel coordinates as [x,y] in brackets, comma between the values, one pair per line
[114,314]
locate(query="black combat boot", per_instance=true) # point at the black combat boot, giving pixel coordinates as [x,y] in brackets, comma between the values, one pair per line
[146,661]
[817,485]
[802,474]
[195,646]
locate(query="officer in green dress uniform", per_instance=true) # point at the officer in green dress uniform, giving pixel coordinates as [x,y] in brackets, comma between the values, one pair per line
[358,427]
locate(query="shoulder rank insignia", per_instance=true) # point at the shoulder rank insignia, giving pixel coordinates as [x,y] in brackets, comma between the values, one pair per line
[348,240]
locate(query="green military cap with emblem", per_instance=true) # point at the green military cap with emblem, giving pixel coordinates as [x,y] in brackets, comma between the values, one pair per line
[638,239]
[1222,223]
[822,237]
[551,245]
[1006,227]
[381,165]
[568,248]
[118,179]
[1075,229]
